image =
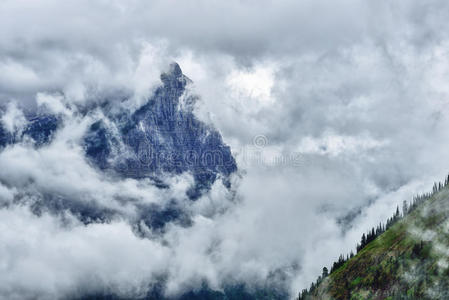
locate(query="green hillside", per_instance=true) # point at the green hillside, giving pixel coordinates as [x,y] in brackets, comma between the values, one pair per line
[409,260]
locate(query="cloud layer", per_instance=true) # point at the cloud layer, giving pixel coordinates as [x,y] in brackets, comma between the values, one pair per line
[349,103]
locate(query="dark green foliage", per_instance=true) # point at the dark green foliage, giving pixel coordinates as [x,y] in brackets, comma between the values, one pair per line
[390,263]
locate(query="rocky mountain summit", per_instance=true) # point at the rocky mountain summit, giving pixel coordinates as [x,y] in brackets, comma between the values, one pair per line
[159,140]
[162,136]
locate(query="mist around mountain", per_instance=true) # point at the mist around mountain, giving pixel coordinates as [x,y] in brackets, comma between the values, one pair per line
[161,159]
[288,129]
[163,138]
[406,258]
[163,162]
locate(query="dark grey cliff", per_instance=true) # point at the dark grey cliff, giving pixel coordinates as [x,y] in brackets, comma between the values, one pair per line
[162,137]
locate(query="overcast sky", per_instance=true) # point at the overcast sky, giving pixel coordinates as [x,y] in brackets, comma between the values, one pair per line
[329,109]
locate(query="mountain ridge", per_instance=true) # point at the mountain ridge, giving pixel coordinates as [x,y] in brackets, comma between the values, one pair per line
[160,139]
[406,261]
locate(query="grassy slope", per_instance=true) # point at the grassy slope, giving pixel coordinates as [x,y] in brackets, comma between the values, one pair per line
[408,261]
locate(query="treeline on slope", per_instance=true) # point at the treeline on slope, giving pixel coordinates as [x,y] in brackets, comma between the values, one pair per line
[372,234]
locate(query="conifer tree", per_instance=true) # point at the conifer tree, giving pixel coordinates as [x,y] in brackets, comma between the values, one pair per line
[325,272]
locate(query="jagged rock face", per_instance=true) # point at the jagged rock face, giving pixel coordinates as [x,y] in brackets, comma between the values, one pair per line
[163,136]
[160,139]
[41,129]
[5,137]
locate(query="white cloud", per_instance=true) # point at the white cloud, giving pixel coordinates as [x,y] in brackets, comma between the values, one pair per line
[358,90]
[13,119]
[252,85]
[43,258]
[334,145]
[55,103]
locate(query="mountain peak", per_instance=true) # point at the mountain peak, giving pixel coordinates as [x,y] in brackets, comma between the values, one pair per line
[175,70]
[174,77]
[164,137]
